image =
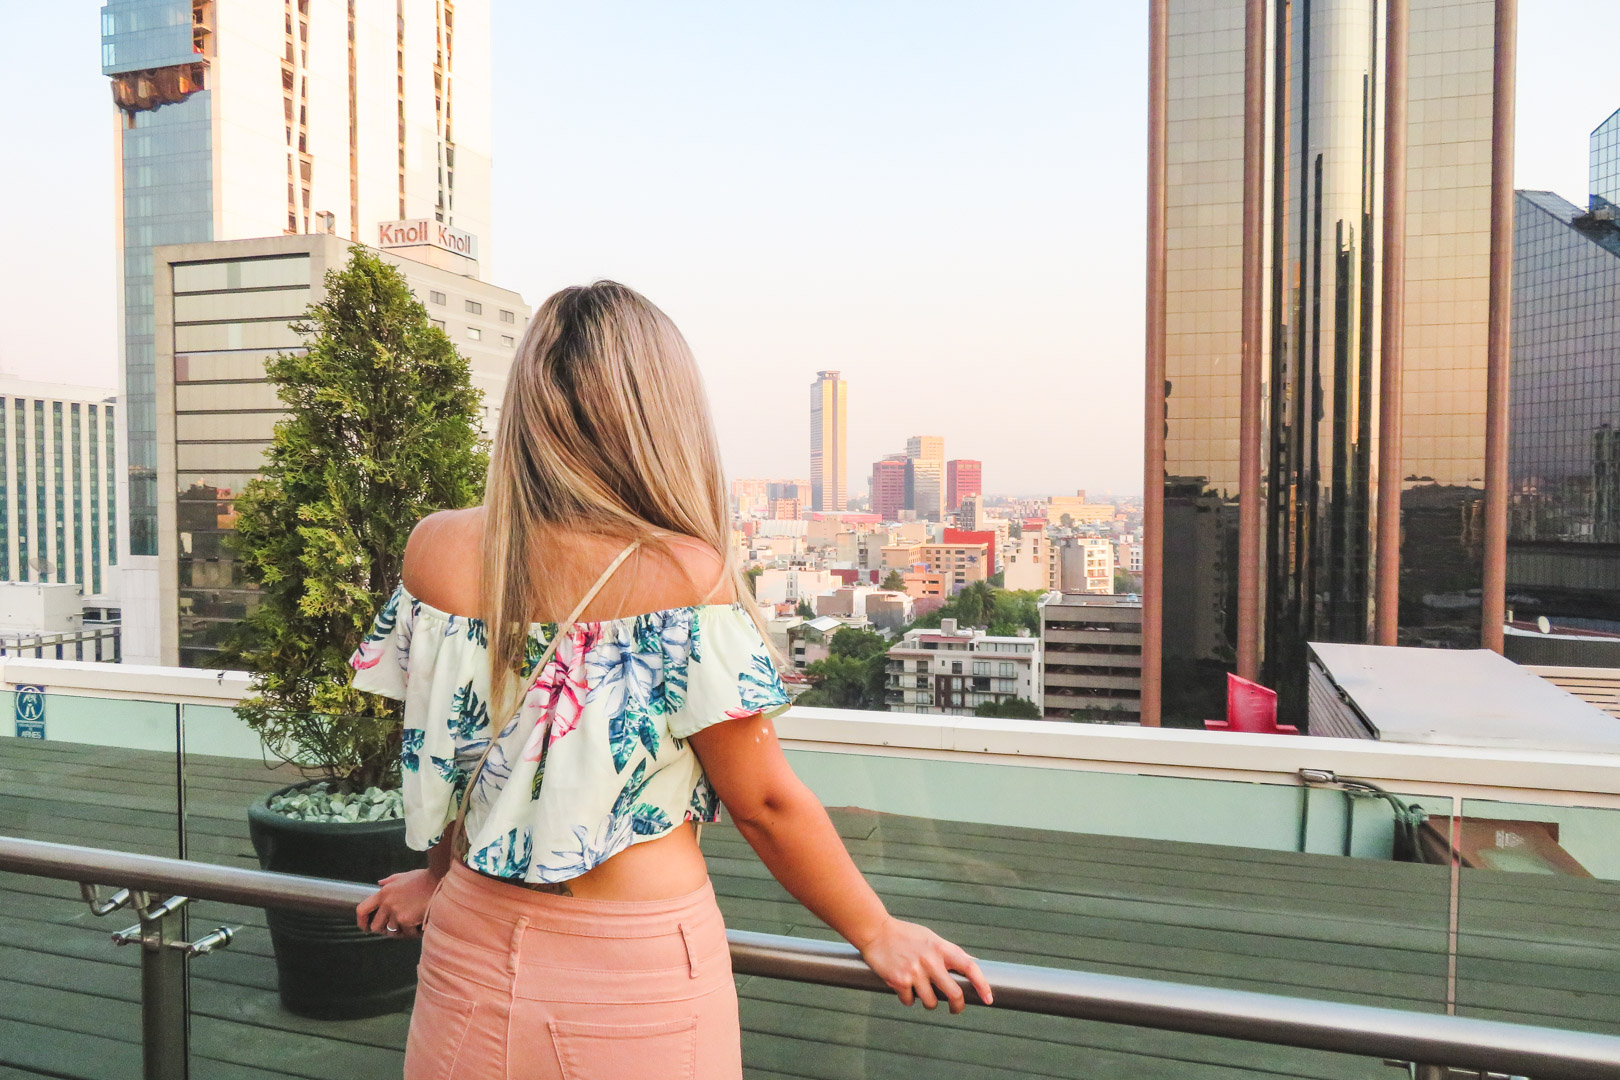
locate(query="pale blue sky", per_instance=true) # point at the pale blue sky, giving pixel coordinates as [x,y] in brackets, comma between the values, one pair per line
[942,199]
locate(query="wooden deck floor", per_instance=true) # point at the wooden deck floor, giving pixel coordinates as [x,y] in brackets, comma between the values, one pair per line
[1533,949]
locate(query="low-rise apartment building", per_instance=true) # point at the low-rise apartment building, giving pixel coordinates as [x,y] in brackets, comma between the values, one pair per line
[961,563]
[1091,650]
[1030,563]
[952,672]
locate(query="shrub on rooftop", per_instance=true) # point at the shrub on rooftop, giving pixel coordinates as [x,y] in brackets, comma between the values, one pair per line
[381,429]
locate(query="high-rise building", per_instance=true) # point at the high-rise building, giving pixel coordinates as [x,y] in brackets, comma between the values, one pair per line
[57,498]
[247,118]
[220,309]
[1091,651]
[925,476]
[889,487]
[827,438]
[963,477]
[1563,556]
[1320,235]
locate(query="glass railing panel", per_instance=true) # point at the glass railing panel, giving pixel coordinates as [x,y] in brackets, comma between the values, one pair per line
[95,772]
[1538,932]
[824,1033]
[1231,883]
[284,1002]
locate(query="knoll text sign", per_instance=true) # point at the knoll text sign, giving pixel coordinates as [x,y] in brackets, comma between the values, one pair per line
[394,234]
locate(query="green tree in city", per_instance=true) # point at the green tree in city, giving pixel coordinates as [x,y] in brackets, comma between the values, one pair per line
[804,610]
[1014,708]
[894,581]
[1002,612]
[752,574]
[381,428]
[854,673]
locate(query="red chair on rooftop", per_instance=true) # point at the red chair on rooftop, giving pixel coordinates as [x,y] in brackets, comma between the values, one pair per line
[1250,707]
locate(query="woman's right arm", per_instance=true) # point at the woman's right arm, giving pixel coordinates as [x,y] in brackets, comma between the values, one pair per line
[787,826]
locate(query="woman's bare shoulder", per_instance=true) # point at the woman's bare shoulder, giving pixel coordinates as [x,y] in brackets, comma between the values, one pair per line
[442,559]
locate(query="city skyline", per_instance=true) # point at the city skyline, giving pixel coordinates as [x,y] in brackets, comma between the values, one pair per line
[756,266]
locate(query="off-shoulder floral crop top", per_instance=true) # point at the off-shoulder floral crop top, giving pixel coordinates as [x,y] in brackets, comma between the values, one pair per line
[595,757]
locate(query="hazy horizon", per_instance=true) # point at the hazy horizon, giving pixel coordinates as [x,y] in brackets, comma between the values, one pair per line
[941,201]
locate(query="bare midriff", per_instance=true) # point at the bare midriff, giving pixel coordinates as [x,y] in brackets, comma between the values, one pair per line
[660,869]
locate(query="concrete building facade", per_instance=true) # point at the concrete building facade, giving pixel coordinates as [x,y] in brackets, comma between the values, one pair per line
[1091,648]
[58,487]
[222,308]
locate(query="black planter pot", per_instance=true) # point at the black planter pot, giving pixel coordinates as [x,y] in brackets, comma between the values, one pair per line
[328,968]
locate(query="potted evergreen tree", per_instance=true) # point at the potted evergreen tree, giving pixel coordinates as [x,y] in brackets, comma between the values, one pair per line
[381,429]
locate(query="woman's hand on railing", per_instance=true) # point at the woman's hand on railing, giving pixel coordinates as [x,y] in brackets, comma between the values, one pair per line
[914,960]
[399,907]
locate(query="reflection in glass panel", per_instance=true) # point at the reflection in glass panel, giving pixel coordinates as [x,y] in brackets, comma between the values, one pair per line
[1320,348]
[1539,914]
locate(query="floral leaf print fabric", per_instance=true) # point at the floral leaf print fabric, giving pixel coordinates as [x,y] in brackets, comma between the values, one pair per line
[593,757]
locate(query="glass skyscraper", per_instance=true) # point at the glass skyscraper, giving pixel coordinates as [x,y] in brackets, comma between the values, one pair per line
[1564,447]
[1320,343]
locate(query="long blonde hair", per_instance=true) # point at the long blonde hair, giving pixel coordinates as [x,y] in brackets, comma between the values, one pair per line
[604,430]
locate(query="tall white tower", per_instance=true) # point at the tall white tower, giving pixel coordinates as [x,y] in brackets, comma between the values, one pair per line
[239,119]
[827,435]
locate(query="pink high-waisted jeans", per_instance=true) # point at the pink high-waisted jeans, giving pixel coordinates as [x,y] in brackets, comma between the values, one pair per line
[523,985]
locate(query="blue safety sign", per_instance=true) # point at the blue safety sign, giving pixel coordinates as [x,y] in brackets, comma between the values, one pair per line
[30,712]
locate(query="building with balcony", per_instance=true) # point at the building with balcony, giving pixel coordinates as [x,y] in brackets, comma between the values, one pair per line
[245,118]
[222,308]
[952,672]
[1091,649]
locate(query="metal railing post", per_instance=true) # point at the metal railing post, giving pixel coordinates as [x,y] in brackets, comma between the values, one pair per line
[165,1012]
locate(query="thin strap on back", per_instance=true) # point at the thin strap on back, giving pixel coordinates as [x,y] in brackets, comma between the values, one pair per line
[461,841]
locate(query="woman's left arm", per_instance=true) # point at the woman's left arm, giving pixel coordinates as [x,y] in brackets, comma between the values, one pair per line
[788,827]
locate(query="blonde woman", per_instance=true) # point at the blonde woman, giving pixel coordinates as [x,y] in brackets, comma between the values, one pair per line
[584,674]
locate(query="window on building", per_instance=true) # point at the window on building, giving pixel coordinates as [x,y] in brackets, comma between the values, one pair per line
[507,341]
[1005,670]
[437,322]
[956,667]
[474,307]
[508,316]
[475,333]
[981,667]
[436,297]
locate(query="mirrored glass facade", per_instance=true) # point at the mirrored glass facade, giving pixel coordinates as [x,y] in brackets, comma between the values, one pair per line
[1605,181]
[1320,346]
[1564,446]
[166,152]
[229,317]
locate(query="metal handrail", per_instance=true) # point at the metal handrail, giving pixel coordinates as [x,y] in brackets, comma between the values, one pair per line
[1438,1040]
